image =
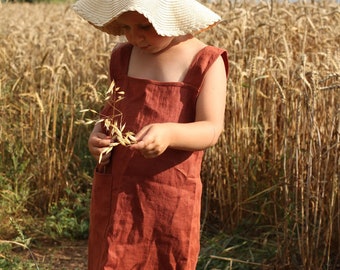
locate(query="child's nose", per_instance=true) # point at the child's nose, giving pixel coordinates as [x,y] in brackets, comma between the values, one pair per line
[137,35]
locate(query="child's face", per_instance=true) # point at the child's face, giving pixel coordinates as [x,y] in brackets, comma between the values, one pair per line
[140,32]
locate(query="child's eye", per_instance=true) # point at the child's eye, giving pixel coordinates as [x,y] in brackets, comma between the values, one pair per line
[125,27]
[146,26]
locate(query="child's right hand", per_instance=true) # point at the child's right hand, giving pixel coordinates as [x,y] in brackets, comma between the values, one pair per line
[97,143]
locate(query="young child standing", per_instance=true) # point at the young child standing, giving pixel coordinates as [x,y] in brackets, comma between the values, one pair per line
[145,206]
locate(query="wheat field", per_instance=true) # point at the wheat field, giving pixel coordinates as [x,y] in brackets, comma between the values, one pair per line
[275,171]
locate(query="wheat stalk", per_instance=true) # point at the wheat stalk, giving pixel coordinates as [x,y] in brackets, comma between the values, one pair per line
[113,123]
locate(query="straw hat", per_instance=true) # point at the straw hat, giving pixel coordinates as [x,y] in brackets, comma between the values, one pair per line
[168,17]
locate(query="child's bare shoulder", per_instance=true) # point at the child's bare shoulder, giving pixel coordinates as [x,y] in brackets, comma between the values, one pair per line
[186,51]
[191,46]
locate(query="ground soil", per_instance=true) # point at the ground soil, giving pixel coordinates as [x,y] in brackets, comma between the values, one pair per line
[61,255]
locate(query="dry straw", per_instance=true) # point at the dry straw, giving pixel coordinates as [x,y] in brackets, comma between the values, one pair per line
[274,175]
[113,123]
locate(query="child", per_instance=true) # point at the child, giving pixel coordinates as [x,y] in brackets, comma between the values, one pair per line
[145,207]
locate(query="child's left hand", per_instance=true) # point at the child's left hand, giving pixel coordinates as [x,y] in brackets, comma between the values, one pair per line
[152,140]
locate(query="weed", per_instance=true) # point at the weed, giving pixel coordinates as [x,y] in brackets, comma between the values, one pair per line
[21,241]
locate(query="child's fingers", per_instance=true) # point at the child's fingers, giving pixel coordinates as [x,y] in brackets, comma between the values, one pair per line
[150,150]
[102,140]
[145,138]
[151,140]
[99,140]
[105,159]
[139,145]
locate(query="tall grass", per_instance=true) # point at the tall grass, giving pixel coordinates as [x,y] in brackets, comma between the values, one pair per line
[274,175]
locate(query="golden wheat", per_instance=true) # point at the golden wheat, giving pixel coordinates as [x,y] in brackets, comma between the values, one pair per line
[276,166]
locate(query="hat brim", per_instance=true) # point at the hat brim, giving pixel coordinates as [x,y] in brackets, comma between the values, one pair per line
[169,18]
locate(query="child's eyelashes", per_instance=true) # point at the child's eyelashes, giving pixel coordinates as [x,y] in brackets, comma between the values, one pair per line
[141,27]
[146,26]
[125,27]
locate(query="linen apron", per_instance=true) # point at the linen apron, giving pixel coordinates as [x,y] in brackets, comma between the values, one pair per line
[145,213]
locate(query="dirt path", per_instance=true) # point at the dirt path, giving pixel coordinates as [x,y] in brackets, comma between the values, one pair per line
[59,256]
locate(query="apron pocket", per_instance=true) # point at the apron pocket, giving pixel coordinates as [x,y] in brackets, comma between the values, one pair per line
[101,202]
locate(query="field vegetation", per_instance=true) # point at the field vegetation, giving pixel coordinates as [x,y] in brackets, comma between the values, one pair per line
[271,184]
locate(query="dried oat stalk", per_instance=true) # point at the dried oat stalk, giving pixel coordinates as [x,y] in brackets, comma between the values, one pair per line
[112,123]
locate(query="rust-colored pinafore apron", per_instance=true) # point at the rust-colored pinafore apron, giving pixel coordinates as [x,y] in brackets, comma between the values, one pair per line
[145,213]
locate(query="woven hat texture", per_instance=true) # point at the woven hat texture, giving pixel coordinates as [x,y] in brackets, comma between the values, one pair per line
[168,17]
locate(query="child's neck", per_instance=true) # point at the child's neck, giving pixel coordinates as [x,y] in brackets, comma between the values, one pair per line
[170,65]
[176,42]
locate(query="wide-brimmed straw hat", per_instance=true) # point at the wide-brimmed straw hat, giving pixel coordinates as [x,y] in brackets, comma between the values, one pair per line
[168,17]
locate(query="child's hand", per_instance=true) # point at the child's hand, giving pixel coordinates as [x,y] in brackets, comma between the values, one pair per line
[97,143]
[152,140]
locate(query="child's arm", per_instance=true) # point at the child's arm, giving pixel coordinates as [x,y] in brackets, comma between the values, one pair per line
[97,142]
[204,132]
